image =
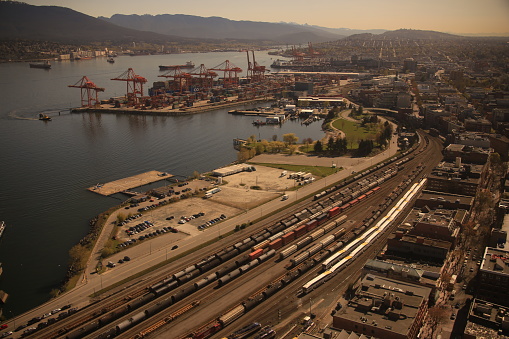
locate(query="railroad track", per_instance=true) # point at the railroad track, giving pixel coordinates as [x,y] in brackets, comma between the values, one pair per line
[141,291]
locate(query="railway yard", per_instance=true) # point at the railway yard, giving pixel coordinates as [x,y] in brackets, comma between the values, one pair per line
[294,263]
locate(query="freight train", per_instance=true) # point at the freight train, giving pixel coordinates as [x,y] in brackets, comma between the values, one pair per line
[263,245]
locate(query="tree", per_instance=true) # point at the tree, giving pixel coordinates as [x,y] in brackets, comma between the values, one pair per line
[292,149]
[330,144]
[290,138]
[318,148]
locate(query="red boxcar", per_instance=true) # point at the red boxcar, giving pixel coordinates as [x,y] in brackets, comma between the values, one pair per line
[288,238]
[255,254]
[278,243]
[311,224]
[299,231]
[333,211]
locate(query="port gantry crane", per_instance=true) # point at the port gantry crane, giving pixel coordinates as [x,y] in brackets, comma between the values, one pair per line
[182,79]
[230,73]
[134,86]
[89,92]
[205,77]
[255,72]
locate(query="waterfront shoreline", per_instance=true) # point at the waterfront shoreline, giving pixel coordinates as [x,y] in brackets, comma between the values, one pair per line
[201,107]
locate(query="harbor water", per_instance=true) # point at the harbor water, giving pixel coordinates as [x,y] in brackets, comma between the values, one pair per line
[47,166]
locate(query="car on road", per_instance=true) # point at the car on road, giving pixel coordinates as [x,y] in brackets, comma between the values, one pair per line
[4,326]
[6,334]
[56,310]
[126,258]
[453,316]
[174,247]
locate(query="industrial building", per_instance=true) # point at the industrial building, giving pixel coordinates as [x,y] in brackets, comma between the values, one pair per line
[384,308]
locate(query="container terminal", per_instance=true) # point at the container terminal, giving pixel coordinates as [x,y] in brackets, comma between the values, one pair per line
[198,90]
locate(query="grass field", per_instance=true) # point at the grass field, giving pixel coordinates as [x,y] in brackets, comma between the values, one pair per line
[354,132]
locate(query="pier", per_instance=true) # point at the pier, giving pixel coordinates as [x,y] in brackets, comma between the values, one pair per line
[198,107]
[128,183]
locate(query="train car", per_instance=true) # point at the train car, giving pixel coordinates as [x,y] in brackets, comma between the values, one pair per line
[322,218]
[246,331]
[288,238]
[287,252]
[154,309]
[140,301]
[253,302]
[261,245]
[227,256]
[115,314]
[231,316]
[128,323]
[83,331]
[242,260]
[272,289]
[299,258]
[327,241]
[207,332]
[317,234]
[306,241]
[314,283]
[334,211]
[266,256]
[299,231]
[209,265]
[311,224]
[276,244]
[255,254]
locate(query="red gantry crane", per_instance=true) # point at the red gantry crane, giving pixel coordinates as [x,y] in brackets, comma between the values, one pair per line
[134,86]
[255,72]
[182,79]
[88,92]
[230,73]
[205,78]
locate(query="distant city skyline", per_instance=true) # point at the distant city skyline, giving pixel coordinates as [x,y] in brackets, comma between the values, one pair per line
[487,17]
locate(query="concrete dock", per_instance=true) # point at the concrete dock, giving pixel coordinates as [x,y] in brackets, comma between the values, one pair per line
[121,185]
[198,107]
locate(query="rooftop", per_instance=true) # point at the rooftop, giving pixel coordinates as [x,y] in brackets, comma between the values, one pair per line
[495,261]
[386,303]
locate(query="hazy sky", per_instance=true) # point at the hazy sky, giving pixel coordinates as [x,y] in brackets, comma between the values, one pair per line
[451,16]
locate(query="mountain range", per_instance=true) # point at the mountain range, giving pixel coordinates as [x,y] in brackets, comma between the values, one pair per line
[59,24]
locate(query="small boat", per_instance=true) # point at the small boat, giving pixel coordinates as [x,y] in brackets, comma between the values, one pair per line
[45,65]
[44,117]
[188,64]
[2,228]
[111,60]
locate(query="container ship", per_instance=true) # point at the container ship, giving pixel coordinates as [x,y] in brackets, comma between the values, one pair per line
[45,65]
[188,64]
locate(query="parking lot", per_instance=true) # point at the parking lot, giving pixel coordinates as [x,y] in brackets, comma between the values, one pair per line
[186,217]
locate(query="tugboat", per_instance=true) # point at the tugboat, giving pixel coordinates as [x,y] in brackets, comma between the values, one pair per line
[45,65]
[44,117]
